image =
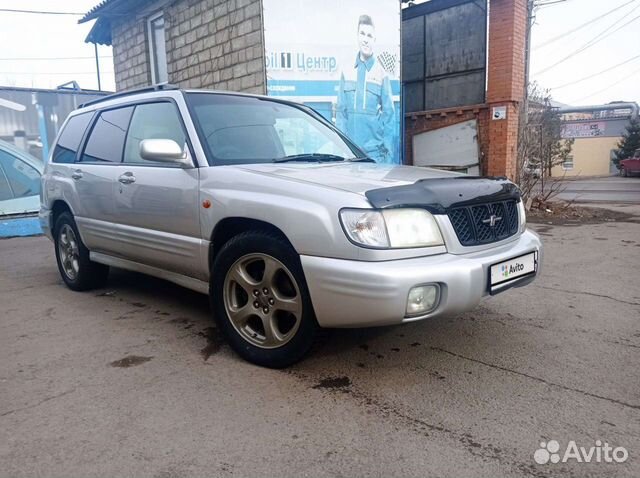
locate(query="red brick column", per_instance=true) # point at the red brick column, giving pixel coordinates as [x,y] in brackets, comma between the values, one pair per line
[507,35]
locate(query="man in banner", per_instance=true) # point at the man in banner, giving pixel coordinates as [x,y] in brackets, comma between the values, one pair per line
[365,110]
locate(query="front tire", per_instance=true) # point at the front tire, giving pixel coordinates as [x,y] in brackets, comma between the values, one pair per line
[260,300]
[72,256]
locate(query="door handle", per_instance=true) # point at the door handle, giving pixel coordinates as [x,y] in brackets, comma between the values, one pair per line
[76,174]
[127,178]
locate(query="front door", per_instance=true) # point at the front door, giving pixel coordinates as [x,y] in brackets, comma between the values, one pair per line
[157,203]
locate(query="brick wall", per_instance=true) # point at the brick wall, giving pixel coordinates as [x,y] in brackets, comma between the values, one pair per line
[507,36]
[130,55]
[215,44]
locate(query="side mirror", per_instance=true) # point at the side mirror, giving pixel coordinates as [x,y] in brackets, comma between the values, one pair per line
[164,151]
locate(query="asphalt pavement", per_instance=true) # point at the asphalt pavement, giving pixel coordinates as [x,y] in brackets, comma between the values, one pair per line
[134,380]
[612,189]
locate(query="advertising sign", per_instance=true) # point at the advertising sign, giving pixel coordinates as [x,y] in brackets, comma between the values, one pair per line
[583,130]
[342,58]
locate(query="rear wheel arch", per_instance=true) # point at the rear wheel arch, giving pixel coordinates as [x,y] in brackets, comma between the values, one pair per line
[57,208]
[76,268]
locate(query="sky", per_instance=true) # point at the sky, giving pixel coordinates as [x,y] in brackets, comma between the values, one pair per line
[52,39]
[615,37]
[51,45]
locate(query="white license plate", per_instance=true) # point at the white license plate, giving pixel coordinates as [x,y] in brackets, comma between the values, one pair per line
[505,273]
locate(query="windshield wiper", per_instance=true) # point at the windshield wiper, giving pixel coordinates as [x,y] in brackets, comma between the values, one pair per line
[317,157]
[362,160]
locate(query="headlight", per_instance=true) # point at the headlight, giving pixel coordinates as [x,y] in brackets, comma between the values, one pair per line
[522,216]
[391,228]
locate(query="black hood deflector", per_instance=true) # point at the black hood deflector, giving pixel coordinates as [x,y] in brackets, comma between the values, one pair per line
[439,194]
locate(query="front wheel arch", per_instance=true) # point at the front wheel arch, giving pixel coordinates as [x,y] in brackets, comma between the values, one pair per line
[230,227]
[265,244]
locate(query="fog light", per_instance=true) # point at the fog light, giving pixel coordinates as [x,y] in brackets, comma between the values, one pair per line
[422,299]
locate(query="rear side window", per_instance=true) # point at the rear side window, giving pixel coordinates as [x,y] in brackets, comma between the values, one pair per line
[69,142]
[152,121]
[106,140]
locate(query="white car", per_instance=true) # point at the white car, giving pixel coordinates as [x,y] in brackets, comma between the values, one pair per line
[19,181]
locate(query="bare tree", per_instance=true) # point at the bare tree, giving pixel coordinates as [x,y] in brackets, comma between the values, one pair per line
[540,148]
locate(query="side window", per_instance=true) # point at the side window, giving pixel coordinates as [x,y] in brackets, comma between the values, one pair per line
[568,164]
[5,189]
[106,140]
[157,48]
[69,141]
[152,121]
[24,180]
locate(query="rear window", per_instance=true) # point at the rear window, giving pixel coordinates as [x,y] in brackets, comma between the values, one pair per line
[69,142]
[106,140]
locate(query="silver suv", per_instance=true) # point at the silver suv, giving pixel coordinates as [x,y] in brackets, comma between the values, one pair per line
[274,213]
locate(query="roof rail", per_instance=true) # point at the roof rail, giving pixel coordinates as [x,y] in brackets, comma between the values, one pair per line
[144,89]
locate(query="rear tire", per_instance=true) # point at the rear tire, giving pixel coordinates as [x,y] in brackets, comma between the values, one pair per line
[72,256]
[260,300]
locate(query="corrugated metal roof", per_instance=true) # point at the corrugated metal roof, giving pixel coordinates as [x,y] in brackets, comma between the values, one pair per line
[104,12]
[95,11]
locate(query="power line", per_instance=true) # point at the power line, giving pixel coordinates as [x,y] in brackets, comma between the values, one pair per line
[11,10]
[549,3]
[579,27]
[601,36]
[50,72]
[595,74]
[56,58]
[609,86]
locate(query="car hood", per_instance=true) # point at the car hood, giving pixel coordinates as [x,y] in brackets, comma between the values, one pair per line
[352,177]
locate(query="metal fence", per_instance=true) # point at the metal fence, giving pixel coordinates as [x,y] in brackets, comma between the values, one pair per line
[30,118]
[444,50]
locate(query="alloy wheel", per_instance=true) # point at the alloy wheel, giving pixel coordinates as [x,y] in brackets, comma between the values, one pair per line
[262,300]
[68,251]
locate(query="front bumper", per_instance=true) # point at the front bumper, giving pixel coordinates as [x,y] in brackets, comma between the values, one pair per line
[349,293]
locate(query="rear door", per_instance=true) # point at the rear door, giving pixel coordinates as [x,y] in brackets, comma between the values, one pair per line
[93,178]
[157,203]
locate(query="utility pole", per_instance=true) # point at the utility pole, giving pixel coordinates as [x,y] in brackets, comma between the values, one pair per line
[527,55]
[95,49]
[524,111]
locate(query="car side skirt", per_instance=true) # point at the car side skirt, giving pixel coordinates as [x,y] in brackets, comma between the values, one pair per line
[182,280]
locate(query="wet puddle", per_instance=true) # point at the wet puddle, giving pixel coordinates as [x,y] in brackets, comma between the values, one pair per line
[334,383]
[130,361]
[214,342]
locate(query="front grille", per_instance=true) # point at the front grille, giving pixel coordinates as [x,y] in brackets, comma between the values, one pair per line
[473,223]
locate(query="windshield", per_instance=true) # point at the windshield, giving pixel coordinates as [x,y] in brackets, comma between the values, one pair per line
[244,129]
